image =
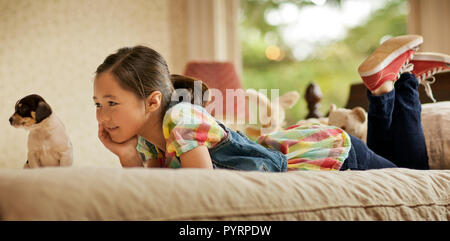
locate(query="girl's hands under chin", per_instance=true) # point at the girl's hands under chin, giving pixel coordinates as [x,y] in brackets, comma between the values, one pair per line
[123,149]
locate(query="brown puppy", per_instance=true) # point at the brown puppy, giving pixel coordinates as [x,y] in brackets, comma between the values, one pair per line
[48,142]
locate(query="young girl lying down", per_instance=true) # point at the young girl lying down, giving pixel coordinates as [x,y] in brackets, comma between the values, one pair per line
[143,125]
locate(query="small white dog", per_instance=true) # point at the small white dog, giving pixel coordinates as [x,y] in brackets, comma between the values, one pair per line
[48,142]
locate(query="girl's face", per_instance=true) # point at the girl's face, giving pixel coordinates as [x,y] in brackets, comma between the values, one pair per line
[119,110]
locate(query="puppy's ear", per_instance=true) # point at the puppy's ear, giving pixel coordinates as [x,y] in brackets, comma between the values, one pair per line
[42,111]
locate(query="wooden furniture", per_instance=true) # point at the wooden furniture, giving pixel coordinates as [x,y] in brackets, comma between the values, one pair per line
[313,96]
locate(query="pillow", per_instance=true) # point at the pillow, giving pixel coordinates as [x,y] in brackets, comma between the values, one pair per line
[436,128]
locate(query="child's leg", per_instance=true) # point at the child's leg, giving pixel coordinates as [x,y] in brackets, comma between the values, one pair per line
[362,158]
[379,72]
[408,138]
[386,120]
[379,134]
[394,125]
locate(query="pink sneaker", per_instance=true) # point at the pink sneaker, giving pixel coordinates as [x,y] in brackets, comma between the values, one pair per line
[389,60]
[426,64]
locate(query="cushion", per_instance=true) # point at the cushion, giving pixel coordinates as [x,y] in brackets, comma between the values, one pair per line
[100,193]
[436,128]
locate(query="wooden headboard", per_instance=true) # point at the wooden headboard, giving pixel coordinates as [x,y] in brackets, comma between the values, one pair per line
[441,92]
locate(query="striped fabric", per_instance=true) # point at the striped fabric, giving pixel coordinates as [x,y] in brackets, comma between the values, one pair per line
[185,127]
[310,146]
[307,147]
[148,151]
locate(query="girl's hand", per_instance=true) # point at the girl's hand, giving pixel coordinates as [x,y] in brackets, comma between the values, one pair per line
[126,150]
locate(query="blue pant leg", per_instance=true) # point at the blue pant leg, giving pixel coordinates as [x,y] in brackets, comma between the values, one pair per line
[380,138]
[394,129]
[409,140]
[362,158]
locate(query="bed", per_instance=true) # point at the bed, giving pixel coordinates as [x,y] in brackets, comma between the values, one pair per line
[103,193]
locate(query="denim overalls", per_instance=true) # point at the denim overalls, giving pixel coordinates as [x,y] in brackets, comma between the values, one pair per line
[237,152]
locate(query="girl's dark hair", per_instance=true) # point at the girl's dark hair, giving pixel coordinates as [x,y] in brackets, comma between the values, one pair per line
[181,82]
[142,70]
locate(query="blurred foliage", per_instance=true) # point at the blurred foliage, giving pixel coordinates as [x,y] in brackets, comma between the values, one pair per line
[333,67]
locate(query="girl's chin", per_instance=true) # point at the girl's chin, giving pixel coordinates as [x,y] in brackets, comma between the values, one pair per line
[120,139]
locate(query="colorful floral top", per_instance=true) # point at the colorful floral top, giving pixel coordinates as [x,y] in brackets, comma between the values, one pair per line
[310,146]
[185,127]
[307,147]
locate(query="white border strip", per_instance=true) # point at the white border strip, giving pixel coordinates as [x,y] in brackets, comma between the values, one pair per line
[432,57]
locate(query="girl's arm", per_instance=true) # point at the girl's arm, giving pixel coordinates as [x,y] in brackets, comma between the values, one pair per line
[196,158]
